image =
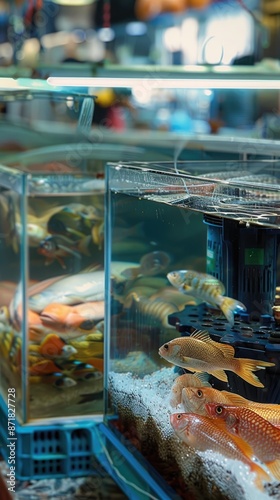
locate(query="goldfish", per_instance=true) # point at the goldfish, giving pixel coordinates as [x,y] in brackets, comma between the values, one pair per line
[186,380]
[206,288]
[195,398]
[261,435]
[199,353]
[202,434]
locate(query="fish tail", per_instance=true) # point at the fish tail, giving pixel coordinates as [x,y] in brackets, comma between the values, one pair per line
[245,368]
[261,476]
[274,468]
[229,307]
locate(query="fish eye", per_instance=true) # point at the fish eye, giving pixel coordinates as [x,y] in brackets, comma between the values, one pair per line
[179,416]
[166,347]
[199,393]
[219,410]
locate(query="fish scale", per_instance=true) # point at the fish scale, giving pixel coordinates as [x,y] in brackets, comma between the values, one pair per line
[202,434]
[195,398]
[207,289]
[199,353]
[261,435]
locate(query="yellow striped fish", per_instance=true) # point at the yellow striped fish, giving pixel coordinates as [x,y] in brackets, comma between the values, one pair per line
[206,288]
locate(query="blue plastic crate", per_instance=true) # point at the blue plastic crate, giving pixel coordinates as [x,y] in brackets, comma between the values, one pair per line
[50,451]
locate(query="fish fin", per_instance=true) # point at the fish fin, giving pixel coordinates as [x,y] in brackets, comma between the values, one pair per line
[261,476]
[274,468]
[243,445]
[246,449]
[227,350]
[204,379]
[229,306]
[186,361]
[220,374]
[245,368]
[235,399]
[202,335]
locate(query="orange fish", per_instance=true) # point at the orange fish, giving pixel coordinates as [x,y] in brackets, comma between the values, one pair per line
[261,435]
[186,380]
[199,353]
[82,317]
[202,434]
[45,367]
[195,398]
[53,347]
[98,363]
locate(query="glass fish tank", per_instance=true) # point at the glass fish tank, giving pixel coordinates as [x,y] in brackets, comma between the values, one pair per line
[192,325]
[52,291]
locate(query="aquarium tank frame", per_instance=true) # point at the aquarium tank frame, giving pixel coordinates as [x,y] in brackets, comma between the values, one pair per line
[151,180]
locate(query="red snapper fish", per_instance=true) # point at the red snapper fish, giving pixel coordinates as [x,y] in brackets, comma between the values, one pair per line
[261,435]
[206,288]
[199,353]
[194,400]
[202,434]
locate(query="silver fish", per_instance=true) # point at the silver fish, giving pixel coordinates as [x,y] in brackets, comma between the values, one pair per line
[81,287]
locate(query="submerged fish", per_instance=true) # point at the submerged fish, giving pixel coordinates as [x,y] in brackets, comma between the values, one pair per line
[195,398]
[199,353]
[97,233]
[208,289]
[151,264]
[55,248]
[153,310]
[81,287]
[53,347]
[58,380]
[69,223]
[83,316]
[202,434]
[35,233]
[88,348]
[186,380]
[261,435]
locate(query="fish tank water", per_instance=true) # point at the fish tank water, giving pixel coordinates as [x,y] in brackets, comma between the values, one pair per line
[192,325]
[52,292]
